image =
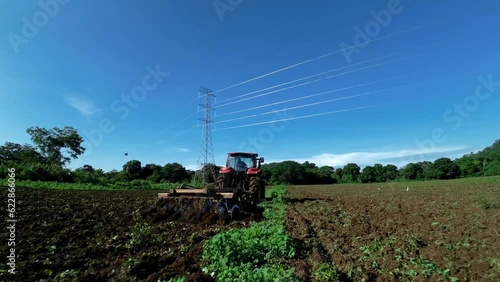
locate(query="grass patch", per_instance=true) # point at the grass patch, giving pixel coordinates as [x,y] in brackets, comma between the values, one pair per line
[495,262]
[487,204]
[254,253]
[326,272]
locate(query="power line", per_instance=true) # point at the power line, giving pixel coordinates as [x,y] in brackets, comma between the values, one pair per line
[316,103]
[307,77]
[286,88]
[299,117]
[323,56]
[319,79]
[312,95]
[271,87]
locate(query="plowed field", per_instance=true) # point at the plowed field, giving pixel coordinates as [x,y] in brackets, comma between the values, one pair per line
[437,231]
[68,235]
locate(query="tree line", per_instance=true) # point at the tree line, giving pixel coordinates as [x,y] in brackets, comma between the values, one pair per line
[483,163]
[53,149]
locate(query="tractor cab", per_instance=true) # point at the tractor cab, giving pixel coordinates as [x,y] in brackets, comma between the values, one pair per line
[242,171]
[243,161]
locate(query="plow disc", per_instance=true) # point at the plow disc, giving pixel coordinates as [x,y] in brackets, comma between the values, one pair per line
[203,204]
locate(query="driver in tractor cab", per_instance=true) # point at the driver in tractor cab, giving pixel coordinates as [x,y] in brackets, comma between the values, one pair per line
[241,165]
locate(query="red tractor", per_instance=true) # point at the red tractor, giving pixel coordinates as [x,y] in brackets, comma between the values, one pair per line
[242,172]
[239,186]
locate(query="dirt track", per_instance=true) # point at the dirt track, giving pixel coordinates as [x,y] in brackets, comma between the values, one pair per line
[106,236]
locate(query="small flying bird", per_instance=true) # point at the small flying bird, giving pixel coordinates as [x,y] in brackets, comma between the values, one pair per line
[126,154]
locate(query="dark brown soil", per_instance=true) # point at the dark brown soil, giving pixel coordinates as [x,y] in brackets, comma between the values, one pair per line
[379,233]
[69,235]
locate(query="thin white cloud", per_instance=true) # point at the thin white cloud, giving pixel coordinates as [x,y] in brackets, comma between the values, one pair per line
[191,167]
[182,150]
[84,106]
[396,157]
[177,150]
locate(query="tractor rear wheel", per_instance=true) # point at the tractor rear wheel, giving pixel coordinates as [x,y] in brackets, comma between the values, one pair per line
[223,181]
[255,187]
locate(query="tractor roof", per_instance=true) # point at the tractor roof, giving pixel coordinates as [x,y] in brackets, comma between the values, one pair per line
[243,153]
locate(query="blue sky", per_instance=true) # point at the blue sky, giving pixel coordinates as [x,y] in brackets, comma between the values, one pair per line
[408,80]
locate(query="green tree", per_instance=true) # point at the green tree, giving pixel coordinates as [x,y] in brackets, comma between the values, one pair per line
[391,172]
[492,168]
[413,171]
[325,174]
[114,176]
[16,153]
[379,173]
[132,169]
[470,166]
[152,172]
[288,172]
[51,144]
[443,168]
[485,162]
[86,174]
[368,175]
[174,172]
[351,173]
[338,174]
[209,172]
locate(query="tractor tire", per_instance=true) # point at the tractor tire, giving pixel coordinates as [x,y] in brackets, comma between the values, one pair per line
[255,187]
[262,191]
[223,181]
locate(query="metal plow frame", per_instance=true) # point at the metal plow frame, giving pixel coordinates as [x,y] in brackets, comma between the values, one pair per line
[224,200]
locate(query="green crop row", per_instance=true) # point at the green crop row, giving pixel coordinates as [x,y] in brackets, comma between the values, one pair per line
[255,253]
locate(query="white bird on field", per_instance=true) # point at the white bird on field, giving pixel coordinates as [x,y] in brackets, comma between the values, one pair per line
[407,188]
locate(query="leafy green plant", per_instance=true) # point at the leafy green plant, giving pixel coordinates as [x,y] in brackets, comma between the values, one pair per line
[141,235]
[495,262]
[254,253]
[487,204]
[326,272]
[175,279]
[67,275]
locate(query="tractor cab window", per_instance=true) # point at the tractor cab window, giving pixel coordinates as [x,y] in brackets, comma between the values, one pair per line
[239,162]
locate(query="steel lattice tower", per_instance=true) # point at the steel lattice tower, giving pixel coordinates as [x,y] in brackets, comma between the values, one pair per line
[206,156]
